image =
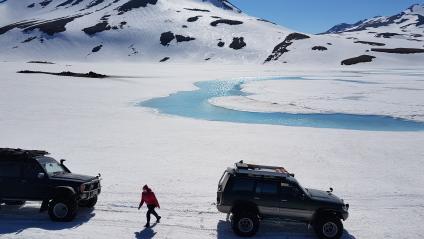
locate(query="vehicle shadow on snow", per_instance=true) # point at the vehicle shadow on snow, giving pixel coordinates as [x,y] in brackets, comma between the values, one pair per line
[270,230]
[14,219]
[146,233]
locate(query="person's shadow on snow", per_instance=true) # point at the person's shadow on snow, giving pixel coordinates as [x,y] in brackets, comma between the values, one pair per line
[16,219]
[274,231]
[146,233]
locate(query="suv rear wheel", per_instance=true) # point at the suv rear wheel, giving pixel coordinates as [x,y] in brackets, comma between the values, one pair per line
[329,227]
[63,210]
[245,224]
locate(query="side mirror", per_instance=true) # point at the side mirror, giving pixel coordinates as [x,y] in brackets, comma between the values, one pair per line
[40,175]
[62,161]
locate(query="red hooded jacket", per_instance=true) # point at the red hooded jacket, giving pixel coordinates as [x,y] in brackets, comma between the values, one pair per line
[149,198]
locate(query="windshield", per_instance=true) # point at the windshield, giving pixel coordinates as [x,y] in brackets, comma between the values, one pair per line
[295,182]
[50,165]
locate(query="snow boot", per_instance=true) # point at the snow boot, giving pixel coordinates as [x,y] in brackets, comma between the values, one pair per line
[158,219]
[147,225]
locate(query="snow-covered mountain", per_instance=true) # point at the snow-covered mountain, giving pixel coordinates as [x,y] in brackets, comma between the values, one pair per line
[408,24]
[184,31]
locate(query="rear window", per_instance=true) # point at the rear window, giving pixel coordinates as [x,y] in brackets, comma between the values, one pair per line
[267,187]
[10,169]
[243,185]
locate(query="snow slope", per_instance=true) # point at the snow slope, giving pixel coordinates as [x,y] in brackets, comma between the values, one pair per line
[96,125]
[179,31]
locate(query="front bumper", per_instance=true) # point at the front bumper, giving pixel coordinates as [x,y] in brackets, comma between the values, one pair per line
[90,194]
[345,215]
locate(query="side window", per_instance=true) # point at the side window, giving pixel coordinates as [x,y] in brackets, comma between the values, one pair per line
[10,169]
[30,170]
[267,187]
[243,185]
[289,191]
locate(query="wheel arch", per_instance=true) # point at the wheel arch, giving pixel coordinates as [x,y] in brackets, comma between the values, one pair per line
[64,191]
[244,206]
[323,212]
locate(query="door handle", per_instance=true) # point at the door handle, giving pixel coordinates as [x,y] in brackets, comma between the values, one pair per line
[23,181]
[284,200]
[257,198]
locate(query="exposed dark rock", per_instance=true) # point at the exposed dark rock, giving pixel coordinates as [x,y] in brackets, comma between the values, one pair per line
[225,21]
[132,4]
[28,39]
[53,26]
[67,2]
[97,48]
[20,25]
[207,59]
[238,43]
[193,19]
[181,38]
[122,24]
[264,20]
[221,44]
[197,10]
[77,2]
[330,44]
[166,38]
[416,35]
[370,43]
[45,3]
[387,34]
[359,59]
[31,5]
[41,62]
[184,26]
[319,48]
[216,17]
[90,74]
[399,50]
[164,59]
[133,50]
[281,48]
[94,3]
[99,27]
[105,17]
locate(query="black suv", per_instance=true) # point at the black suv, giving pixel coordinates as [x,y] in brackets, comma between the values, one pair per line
[251,193]
[30,175]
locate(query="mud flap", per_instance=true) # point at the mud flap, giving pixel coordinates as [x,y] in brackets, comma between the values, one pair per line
[44,206]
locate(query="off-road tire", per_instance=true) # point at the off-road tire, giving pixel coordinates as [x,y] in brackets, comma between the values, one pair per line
[63,209]
[245,224]
[90,203]
[328,227]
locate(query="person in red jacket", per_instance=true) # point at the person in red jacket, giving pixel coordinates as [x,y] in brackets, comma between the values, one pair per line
[148,197]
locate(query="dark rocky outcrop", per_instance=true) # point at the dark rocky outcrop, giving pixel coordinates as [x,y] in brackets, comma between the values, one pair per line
[99,27]
[67,2]
[31,5]
[387,34]
[45,3]
[181,38]
[97,48]
[166,38]
[370,43]
[41,62]
[264,20]
[132,4]
[28,39]
[165,59]
[319,48]
[20,25]
[54,26]
[238,43]
[193,19]
[221,44]
[399,50]
[281,48]
[90,74]
[196,10]
[359,59]
[225,21]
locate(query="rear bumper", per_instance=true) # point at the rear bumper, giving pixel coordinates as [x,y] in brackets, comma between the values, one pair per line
[224,209]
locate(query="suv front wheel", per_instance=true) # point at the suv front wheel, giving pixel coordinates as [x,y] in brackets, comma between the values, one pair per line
[329,227]
[63,210]
[245,224]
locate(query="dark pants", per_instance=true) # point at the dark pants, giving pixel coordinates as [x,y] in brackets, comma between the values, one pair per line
[151,210]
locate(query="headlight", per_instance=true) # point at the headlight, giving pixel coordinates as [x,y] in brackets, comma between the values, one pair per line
[345,207]
[82,187]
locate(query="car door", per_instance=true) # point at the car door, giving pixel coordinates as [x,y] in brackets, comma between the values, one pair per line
[33,186]
[293,203]
[267,197]
[10,174]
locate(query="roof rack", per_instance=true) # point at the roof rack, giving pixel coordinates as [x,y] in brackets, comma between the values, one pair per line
[10,153]
[262,170]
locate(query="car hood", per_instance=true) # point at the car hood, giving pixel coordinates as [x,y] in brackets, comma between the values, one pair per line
[73,177]
[320,195]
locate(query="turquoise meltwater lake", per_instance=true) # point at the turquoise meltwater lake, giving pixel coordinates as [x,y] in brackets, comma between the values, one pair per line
[194,104]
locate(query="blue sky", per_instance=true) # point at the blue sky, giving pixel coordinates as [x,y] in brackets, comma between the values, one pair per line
[315,16]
